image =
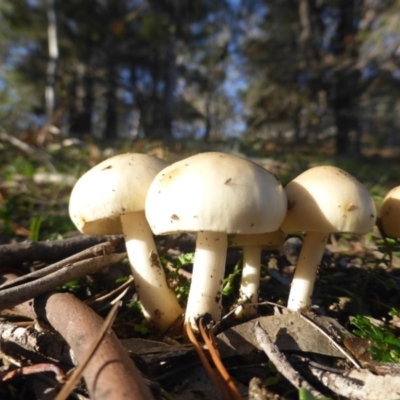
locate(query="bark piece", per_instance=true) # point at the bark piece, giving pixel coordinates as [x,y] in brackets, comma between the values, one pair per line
[110,374]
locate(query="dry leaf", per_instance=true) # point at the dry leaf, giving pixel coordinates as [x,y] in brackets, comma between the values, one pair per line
[287,331]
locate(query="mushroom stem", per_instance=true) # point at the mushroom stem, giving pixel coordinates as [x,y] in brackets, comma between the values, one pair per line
[306,270]
[248,292]
[147,271]
[207,277]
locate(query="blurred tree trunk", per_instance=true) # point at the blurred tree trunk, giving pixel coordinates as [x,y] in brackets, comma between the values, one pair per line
[347,92]
[348,136]
[111,123]
[207,116]
[53,59]
[81,102]
[170,78]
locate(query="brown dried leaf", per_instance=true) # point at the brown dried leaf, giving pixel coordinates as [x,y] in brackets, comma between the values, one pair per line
[287,331]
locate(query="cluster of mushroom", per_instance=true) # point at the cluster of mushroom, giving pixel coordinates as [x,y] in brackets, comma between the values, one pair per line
[215,195]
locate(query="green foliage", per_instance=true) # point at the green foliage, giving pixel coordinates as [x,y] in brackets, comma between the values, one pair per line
[275,376]
[122,280]
[74,286]
[385,345]
[143,327]
[229,281]
[5,219]
[135,307]
[34,228]
[55,224]
[305,394]
[20,165]
[390,247]
[182,287]
[183,259]
[394,312]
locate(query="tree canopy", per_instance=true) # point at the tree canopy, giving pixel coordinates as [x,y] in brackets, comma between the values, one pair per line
[169,69]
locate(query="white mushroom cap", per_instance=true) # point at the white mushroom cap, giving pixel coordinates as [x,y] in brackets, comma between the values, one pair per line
[322,200]
[389,215]
[215,192]
[328,199]
[114,187]
[110,199]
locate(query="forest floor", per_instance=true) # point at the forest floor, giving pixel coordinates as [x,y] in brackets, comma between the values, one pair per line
[357,292]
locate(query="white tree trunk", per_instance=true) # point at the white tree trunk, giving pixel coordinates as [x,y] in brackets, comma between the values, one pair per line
[53,59]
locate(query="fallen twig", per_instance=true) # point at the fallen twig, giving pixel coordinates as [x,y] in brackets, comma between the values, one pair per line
[179,271]
[14,254]
[121,288]
[172,243]
[280,361]
[340,384]
[36,369]
[96,250]
[24,147]
[19,294]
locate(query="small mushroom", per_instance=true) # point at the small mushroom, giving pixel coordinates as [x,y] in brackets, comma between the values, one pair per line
[213,194]
[389,214]
[252,246]
[110,199]
[323,200]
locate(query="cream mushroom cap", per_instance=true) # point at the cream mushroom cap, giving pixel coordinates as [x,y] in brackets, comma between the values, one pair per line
[215,192]
[328,199]
[389,215]
[113,187]
[322,200]
[110,199]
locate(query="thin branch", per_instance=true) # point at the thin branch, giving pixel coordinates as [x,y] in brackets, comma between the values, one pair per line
[35,369]
[16,295]
[97,250]
[172,243]
[24,147]
[121,288]
[17,253]
[340,384]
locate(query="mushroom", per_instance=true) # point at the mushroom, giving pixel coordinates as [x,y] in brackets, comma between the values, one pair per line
[389,214]
[252,247]
[323,200]
[110,199]
[213,194]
